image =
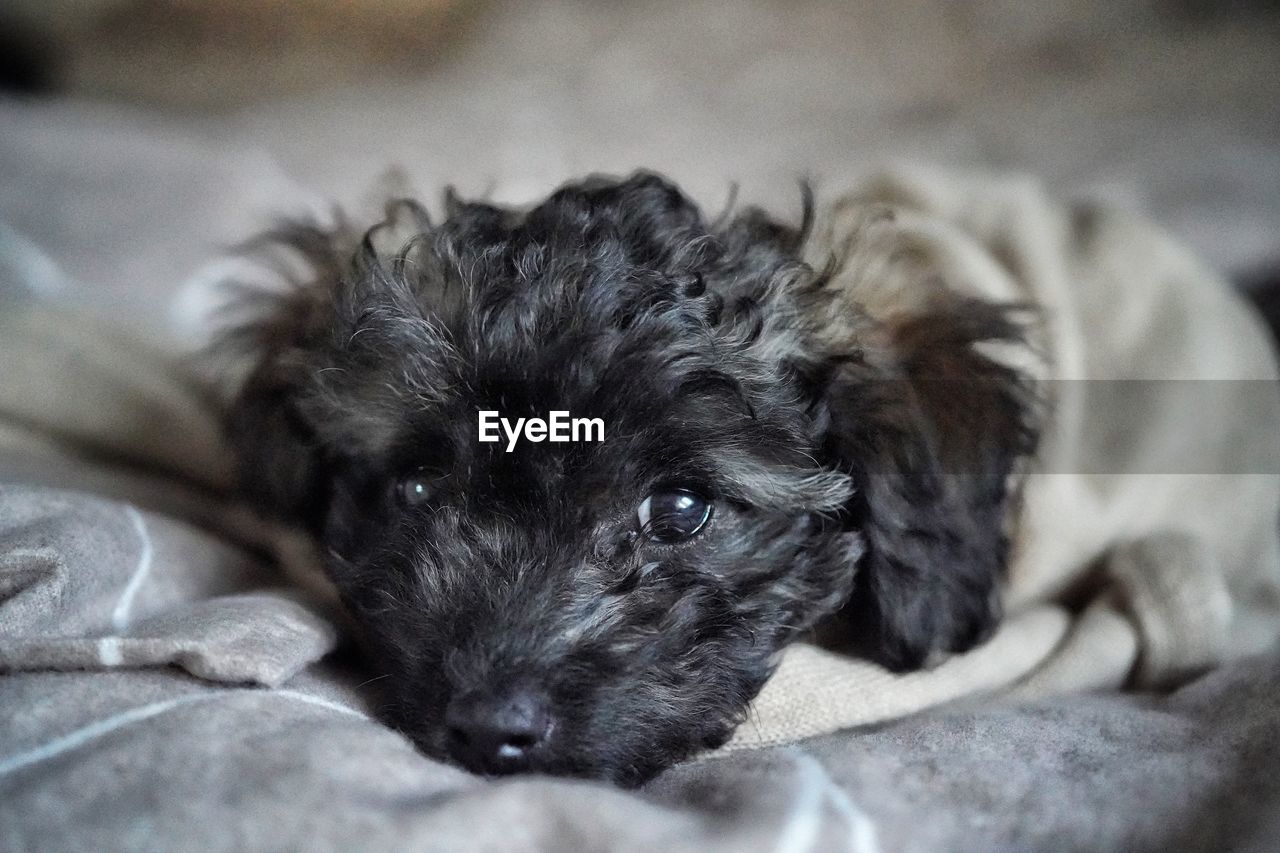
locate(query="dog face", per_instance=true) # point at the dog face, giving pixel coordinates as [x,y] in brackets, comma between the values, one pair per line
[606,608]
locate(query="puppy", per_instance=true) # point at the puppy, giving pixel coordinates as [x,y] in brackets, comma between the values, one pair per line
[775,462]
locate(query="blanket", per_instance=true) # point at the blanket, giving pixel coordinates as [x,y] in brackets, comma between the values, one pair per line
[165,667]
[207,754]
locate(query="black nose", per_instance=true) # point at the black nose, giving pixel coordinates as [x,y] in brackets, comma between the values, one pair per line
[497,732]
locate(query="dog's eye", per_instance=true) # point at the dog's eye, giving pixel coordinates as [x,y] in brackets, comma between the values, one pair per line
[672,515]
[696,287]
[414,488]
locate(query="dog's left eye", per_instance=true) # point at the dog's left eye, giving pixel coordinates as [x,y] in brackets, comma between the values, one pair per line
[673,515]
[414,488]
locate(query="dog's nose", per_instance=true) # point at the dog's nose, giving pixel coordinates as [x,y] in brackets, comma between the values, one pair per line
[497,732]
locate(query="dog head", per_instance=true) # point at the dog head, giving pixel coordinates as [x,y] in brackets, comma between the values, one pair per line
[771,459]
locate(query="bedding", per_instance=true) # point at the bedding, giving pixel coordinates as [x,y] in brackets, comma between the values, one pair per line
[252,740]
[164,685]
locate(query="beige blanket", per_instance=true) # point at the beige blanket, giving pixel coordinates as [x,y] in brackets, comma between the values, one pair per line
[1147,546]
[1146,549]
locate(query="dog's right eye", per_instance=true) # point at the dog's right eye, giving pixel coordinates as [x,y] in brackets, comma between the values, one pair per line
[414,488]
[672,515]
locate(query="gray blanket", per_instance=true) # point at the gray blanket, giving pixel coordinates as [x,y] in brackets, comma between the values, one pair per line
[248,741]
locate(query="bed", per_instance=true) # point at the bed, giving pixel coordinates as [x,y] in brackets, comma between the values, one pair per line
[164,686]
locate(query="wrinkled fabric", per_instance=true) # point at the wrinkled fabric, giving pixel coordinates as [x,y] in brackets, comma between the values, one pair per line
[164,685]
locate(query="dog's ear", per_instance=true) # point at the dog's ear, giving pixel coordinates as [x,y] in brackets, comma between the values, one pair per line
[280,459]
[932,432]
[267,354]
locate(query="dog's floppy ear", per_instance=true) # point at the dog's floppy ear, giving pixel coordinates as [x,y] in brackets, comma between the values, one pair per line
[932,427]
[280,459]
[267,349]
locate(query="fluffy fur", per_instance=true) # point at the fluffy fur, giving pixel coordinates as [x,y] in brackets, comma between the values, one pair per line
[860,467]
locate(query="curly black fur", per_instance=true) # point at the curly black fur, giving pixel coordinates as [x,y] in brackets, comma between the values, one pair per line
[864,492]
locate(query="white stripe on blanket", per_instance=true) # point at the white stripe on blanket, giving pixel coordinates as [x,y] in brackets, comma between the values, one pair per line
[109,651]
[85,734]
[816,789]
[120,616]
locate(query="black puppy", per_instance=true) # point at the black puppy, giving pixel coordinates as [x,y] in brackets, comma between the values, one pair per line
[774,462]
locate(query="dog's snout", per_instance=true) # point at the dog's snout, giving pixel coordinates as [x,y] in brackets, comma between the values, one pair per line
[497,732]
